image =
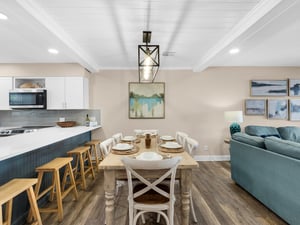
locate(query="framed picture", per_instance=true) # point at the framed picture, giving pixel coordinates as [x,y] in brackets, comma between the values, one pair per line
[294,87]
[295,109]
[278,109]
[269,87]
[146,100]
[255,107]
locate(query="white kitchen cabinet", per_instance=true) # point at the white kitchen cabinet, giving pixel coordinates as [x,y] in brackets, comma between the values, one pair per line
[67,93]
[6,84]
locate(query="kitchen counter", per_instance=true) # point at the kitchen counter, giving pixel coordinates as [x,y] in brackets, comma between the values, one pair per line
[18,144]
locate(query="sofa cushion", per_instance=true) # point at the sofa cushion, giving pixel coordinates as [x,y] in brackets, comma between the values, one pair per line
[262,131]
[248,139]
[290,133]
[284,147]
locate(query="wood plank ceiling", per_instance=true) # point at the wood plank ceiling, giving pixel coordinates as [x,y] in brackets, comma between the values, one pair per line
[104,34]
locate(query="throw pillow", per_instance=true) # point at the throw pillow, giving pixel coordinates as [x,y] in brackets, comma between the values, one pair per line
[248,139]
[262,131]
[284,147]
[290,133]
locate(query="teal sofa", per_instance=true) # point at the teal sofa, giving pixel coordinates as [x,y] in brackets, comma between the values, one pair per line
[265,161]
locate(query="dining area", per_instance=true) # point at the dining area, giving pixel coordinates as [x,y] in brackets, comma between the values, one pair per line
[146,163]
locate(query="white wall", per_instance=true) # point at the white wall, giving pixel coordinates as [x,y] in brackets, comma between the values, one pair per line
[195,102]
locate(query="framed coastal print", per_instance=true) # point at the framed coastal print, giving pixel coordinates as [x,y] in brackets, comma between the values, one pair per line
[255,107]
[146,100]
[294,87]
[278,109]
[295,109]
[269,87]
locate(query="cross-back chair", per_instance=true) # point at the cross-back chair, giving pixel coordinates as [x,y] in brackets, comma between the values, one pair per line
[117,138]
[181,137]
[152,195]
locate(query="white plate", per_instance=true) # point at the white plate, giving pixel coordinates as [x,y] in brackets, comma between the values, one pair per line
[128,138]
[171,145]
[122,147]
[149,156]
[167,138]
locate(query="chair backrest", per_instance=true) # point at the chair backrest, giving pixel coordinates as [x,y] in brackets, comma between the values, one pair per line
[149,131]
[191,144]
[132,165]
[117,138]
[105,146]
[181,138]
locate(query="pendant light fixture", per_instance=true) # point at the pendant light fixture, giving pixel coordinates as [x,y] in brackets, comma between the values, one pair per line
[148,59]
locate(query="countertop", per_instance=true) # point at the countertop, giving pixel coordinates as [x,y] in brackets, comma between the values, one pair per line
[21,143]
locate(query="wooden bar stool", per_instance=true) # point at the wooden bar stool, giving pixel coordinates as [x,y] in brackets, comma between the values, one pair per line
[56,187]
[13,188]
[82,155]
[95,152]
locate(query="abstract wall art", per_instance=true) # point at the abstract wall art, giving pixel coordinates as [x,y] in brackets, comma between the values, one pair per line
[269,87]
[146,100]
[278,109]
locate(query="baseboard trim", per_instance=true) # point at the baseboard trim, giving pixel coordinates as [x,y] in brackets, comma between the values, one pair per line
[212,157]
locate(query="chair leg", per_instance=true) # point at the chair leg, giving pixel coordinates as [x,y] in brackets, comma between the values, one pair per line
[192,208]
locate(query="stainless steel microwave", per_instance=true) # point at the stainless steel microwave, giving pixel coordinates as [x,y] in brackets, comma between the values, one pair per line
[28,99]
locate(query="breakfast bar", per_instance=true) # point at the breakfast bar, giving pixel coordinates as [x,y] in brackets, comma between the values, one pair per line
[21,154]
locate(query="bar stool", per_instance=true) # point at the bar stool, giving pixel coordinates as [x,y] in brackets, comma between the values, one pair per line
[56,187]
[95,152]
[82,155]
[13,188]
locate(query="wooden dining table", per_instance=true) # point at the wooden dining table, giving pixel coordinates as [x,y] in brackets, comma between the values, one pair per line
[114,170]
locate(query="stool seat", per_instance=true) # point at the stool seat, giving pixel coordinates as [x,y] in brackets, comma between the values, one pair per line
[56,163]
[95,153]
[56,187]
[82,155]
[13,188]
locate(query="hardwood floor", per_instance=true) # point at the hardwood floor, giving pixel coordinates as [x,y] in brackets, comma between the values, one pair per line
[217,201]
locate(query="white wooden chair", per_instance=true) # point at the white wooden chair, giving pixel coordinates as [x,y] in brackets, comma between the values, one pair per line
[143,199]
[181,137]
[190,146]
[106,146]
[117,138]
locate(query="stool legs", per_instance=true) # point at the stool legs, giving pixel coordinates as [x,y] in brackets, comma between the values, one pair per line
[12,189]
[34,205]
[82,155]
[95,154]
[8,212]
[56,189]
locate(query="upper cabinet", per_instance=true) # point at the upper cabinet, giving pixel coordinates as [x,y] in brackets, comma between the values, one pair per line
[29,82]
[67,92]
[6,84]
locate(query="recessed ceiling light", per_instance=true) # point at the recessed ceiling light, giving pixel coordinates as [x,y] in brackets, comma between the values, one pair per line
[234,51]
[3,17]
[53,51]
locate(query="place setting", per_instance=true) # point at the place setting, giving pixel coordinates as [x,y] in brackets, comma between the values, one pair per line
[130,139]
[124,149]
[171,147]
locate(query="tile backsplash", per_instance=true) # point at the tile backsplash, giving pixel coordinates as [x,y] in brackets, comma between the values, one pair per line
[18,118]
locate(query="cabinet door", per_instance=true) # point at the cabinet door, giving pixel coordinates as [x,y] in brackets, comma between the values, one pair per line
[5,86]
[74,92]
[55,87]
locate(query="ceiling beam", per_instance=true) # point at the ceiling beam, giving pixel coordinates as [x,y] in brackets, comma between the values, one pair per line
[80,55]
[256,14]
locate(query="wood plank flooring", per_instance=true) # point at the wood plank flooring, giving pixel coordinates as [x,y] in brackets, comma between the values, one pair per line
[217,201]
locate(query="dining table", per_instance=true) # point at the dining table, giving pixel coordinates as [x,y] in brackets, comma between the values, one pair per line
[115,170]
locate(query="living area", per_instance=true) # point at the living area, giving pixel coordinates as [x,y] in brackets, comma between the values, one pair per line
[250,177]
